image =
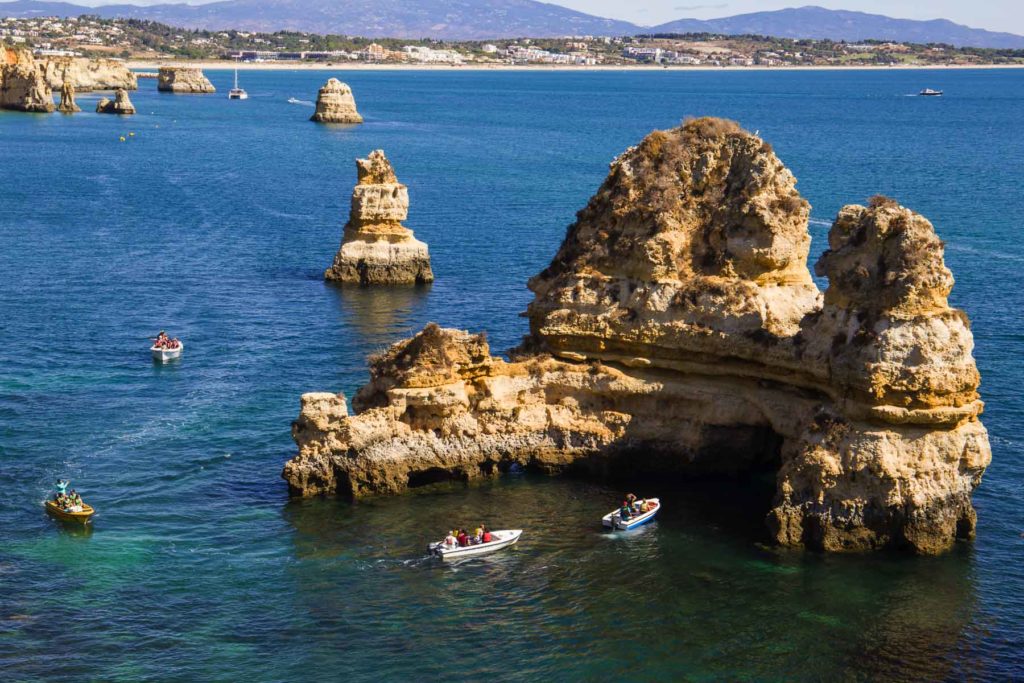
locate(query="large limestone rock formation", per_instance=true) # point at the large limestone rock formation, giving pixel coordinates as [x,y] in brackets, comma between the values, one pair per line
[89,74]
[120,105]
[678,331]
[376,249]
[336,104]
[23,85]
[183,79]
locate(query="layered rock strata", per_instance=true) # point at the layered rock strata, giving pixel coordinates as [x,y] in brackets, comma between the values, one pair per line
[87,75]
[336,104]
[678,331]
[183,80]
[120,105]
[376,249]
[23,85]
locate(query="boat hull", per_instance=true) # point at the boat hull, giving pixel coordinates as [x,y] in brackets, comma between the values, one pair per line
[503,539]
[82,517]
[613,521]
[164,355]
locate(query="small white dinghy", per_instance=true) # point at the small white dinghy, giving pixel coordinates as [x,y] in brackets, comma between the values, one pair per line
[613,520]
[499,540]
[163,355]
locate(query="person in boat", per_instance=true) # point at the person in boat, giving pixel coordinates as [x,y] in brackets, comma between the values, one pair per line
[463,538]
[485,536]
[174,343]
[643,506]
[631,501]
[626,511]
[478,535]
[161,340]
[450,539]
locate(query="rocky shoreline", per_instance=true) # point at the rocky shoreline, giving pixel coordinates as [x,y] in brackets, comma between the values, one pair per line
[678,331]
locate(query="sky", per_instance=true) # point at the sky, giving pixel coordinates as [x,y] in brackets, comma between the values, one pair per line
[995,15]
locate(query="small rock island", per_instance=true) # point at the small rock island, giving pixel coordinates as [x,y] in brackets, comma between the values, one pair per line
[184,80]
[336,104]
[678,331]
[376,249]
[120,105]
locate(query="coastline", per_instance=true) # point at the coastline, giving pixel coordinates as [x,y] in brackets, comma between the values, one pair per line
[214,65]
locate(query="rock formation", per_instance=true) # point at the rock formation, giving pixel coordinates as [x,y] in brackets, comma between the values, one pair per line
[67,98]
[335,104]
[89,74]
[183,79]
[121,104]
[376,249]
[23,85]
[678,331]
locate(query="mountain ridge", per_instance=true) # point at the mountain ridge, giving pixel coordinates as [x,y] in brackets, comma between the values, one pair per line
[493,19]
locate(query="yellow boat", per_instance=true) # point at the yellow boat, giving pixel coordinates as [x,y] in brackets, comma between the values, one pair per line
[82,516]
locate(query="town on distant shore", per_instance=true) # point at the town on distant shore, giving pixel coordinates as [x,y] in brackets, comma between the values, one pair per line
[91,36]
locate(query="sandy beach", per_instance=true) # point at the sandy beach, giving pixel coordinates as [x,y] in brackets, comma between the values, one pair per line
[213,65]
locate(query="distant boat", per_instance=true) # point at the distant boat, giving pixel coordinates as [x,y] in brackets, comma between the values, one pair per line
[928,92]
[237,93]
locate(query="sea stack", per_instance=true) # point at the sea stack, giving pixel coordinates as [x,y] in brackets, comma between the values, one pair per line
[67,98]
[184,80]
[23,85]
[121,104]
[376,249]
[336,104]
[678,332]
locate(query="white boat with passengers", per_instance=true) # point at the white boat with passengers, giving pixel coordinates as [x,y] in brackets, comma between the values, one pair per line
[162,354]
[615,520]
[453,551]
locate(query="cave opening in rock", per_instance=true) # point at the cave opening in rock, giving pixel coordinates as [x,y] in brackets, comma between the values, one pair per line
[434,475]
[728,481]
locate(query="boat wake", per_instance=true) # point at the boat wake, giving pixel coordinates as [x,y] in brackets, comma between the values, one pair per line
[304,103]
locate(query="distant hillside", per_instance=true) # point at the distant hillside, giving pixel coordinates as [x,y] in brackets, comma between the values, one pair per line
[484,19]
[444,19]
[818,22]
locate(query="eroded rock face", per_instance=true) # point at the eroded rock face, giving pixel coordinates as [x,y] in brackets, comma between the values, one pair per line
[183,80]
[120,105]
[336,104]
[23,85]
[375,247]
[678,330]
[89,74]
[67,98]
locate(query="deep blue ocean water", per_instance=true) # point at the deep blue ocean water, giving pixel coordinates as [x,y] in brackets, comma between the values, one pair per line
[216,219]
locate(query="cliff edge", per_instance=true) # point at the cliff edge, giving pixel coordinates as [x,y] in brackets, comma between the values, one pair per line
[678,331]
[23,85]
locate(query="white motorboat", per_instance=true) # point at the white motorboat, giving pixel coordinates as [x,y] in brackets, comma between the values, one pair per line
[499,540]
[614,520]
[237,93]
[928,92]
[163,354]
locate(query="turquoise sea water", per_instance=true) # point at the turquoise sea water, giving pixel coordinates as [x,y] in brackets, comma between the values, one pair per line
[216,220]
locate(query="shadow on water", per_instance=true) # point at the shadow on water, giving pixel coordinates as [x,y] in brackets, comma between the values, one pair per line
[696,586]
[379,315]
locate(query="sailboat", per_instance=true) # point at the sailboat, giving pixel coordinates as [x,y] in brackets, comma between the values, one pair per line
[237,93]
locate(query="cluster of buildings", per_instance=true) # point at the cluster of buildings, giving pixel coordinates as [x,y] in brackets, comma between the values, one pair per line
[55,36]
[371,53]
[524,54]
